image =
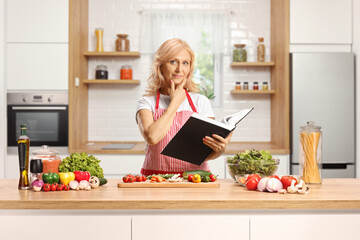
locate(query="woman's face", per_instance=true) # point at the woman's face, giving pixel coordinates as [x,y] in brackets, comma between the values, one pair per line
[177,68]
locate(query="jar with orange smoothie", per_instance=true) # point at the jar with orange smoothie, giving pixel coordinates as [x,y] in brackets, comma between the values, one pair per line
[49,157]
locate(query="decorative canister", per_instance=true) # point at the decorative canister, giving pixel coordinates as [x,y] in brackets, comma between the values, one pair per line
[239,53]
[122,43]
[126,72]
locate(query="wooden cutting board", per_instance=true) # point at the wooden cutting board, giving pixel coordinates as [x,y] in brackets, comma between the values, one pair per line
[184,184]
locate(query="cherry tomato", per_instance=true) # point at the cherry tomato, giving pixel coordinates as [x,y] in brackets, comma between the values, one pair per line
[138,178]
[46,187]
[59,187]
[131,179]
[251,184]
[53,186]
[212,178]
[126,179]
[66,188]
[257,177]
[143,178]
[275,176]
[286,181]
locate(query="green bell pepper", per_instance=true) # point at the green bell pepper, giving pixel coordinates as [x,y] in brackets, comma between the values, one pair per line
[205,179]
[51,178]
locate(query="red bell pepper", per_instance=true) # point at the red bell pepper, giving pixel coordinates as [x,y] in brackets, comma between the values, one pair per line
[79,175]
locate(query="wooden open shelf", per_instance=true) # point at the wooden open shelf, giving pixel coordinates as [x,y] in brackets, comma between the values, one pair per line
[112,54]
[232,148]
[252,91]
[252,64]
[111,81]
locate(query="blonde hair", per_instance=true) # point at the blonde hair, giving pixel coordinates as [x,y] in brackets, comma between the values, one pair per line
[168,50]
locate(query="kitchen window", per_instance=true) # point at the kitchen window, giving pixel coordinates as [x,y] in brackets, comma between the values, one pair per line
[203,31]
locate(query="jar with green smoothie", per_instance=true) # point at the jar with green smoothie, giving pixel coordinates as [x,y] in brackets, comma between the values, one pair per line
[239,53]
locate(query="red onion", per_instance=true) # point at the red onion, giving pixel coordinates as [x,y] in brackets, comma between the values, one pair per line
[262,184]
[74,184]
[274,185]
[37,185]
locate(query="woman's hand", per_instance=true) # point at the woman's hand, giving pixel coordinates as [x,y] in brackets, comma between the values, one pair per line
[177,93]
[217,144]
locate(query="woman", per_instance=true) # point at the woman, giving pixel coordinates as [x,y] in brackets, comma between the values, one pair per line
[169,101]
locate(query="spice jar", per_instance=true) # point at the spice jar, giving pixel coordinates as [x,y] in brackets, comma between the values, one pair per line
[261,50]
[265,86]
[246,86]
[310,153]
[49,157]
[99,39]
[126,72]
[238,86]
[255,86]
[101,72]
[239,53]
[36,169]
[122,43]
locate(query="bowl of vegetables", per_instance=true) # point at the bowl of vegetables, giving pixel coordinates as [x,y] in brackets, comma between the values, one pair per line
[251,162]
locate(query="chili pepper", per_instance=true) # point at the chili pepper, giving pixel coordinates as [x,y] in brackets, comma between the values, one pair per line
[66,177]
[205,179]
[50,177]
[197,178]
[212,177]
[79,175]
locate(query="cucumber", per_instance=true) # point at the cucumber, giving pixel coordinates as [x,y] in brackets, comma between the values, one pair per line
[103,181]
[202,173]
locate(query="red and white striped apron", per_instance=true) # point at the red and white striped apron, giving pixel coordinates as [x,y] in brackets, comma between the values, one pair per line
[156,163]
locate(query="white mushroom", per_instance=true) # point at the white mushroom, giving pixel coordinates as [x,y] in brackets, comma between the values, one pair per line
[292,189]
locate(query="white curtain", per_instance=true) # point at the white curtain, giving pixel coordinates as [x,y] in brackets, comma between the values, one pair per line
[189,25]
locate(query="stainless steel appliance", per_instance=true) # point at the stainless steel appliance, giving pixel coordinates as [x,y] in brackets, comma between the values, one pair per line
[323,91]
[45,115]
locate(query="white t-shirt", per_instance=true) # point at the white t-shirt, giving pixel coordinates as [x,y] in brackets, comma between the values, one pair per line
[202,104]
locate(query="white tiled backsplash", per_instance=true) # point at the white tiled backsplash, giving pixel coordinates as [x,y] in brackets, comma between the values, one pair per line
[112,107]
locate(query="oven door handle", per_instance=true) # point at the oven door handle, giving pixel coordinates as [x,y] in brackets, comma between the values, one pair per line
[38,108]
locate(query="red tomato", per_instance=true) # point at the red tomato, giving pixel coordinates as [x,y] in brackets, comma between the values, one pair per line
[143,178]
[190,177]
[60,187]
[252,183]
[212,178]
[257,177]
[275,176]
[53,186]
[131,179]
[138,178]
[66,188]
[286,181]
[126,179]
[46,187]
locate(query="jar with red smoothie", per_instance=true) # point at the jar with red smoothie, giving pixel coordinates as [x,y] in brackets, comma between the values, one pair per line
[49,157]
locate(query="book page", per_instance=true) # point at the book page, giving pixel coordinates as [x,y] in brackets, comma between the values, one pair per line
[235,118]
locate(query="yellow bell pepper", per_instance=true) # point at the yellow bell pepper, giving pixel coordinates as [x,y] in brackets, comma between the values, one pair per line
[66,177]
[197,178]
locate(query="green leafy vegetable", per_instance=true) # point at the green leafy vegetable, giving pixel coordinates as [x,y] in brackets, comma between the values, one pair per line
[252,161]
[82,162]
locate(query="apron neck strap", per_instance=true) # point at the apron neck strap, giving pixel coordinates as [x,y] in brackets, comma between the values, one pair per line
[187,96]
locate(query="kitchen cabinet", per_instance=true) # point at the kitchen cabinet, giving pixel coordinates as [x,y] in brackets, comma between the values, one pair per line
[84,225]
[321,22]
[37,21]
[78,72]
[300,227]
[37,66]
[207,226]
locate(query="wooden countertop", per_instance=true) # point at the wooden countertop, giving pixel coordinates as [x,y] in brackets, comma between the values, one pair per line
[332,194]
[139,148]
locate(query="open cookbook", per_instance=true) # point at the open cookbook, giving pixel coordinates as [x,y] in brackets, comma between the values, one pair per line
[187,144]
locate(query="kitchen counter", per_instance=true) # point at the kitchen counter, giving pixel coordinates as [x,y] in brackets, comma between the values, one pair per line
[332,194]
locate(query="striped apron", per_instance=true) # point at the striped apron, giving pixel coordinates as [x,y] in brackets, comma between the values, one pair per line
[156,163]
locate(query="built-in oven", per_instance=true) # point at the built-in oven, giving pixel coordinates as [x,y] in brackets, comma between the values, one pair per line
[45,115]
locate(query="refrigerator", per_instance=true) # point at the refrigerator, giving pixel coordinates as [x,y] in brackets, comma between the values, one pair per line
[322,87]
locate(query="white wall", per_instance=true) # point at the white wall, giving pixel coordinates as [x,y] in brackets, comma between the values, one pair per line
[2,91]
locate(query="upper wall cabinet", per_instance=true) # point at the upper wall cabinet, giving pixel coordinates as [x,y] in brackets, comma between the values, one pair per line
[321,22]
[37,21]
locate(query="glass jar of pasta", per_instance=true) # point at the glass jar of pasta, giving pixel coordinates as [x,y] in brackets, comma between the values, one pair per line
[310,153]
